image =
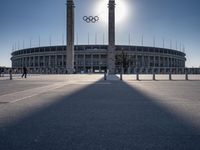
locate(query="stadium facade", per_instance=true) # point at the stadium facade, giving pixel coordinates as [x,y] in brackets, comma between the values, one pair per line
[72,58]
[93,58]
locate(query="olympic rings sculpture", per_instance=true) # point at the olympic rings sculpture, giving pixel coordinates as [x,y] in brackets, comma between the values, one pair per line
[91,19]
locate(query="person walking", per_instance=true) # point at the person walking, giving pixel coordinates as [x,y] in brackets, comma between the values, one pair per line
[24,72]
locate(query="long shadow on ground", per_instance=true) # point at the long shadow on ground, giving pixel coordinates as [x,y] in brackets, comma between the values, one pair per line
[101,116]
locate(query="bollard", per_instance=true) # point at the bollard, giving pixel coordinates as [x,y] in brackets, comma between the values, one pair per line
[170,76]
[105,78]
[10,72]
[154,76]
[186,76]
[137,76]
[121,73]
[121,76]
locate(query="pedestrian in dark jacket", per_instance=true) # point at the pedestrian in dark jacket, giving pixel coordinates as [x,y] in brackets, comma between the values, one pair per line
[24,72]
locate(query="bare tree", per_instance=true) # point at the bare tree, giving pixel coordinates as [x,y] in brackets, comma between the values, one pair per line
[123,61]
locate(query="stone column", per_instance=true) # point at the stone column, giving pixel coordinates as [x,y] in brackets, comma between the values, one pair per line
[70,36]
[111,37]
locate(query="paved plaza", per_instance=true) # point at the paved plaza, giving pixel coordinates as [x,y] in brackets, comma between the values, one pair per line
[86,112]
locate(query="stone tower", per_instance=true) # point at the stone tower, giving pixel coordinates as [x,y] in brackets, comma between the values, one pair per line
[70,36]
[111,37]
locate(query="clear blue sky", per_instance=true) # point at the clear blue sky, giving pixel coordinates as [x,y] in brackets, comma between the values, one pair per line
[176,20]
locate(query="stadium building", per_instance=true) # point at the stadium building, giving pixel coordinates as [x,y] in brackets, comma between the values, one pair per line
[93,58]
[113,58]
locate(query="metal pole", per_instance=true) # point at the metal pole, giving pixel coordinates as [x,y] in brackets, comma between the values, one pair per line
[170,44]
[95,38]
[154,41]
[163,43]
[18,45]
[30,43]
[76,38]
[103,39]
[39,41]
[50,40]
[15,46]
[142,40]
[23,44]
[62,39]
[88,38]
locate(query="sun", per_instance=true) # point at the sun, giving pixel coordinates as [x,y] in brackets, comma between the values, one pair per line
[121,11]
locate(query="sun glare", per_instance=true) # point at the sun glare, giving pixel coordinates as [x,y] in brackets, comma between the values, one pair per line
[121,11]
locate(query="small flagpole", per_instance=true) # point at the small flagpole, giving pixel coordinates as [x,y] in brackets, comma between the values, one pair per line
[103,38]
[142,40]
[39,41]
[88,38]
[163,42]
[62,39]
[18,45]
[180,47]
[50,40]
[76,38]
[154,41]
[170,44]
[30,42]
[12,48]
[23,44]
[95,38]
[132,39]
[15,46]
[129,39]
